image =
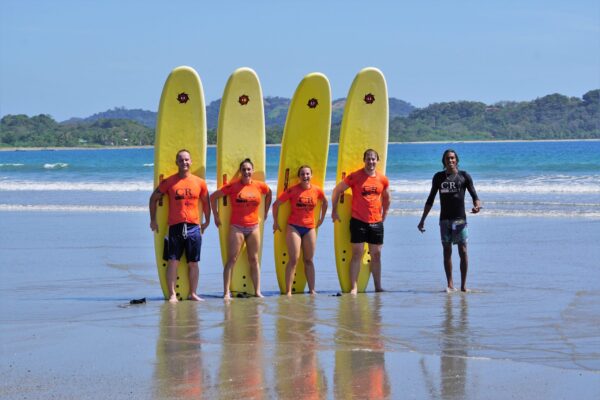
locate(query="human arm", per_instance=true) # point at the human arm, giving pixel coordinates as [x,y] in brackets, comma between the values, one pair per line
[214,198]
[428,205]
[206,211]
[276,226]
[268,199]
[471,189]
[335,196]
[154,198]
[324,205]
[386,199]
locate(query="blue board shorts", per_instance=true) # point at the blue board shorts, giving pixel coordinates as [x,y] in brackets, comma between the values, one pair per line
[454,231]
[302,230]
[183,238]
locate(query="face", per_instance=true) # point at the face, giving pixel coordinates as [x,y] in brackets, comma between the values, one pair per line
[370,161]
[450,160]
[305,174]
[246,170]
[184,161]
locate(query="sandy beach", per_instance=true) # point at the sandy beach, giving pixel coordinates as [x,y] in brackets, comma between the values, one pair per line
[527,330]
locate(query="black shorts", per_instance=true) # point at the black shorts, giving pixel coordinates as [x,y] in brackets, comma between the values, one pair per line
[183,237]
[362,232]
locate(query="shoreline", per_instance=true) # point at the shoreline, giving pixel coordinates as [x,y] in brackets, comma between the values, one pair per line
[37,148]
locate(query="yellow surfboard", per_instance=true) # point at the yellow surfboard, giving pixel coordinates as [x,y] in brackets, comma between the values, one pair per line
[181,124]
[364,126]
[240,135]
[305,142]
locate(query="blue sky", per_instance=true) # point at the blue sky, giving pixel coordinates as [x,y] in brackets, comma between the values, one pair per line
[76,58]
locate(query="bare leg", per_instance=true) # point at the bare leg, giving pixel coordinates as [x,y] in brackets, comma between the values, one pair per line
[309,242]
[375,252]
[448,264]
[172,279]
[464,265]
[194,273]
[357,253]
[293,242]
[235,242]
[253,247]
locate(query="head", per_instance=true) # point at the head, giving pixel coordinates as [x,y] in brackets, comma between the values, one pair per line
[450,155]
[183,160]
[371,158]
[246,168]
[305,173]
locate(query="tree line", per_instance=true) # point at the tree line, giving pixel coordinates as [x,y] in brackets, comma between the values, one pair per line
[550,117]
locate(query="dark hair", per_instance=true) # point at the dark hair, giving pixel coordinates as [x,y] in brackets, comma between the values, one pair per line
[246,160]
[302,167]
[179,152]
[370,151]
[446,153]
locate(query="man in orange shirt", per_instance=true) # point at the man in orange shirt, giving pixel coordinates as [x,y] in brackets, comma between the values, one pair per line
[188,199]
[370,204]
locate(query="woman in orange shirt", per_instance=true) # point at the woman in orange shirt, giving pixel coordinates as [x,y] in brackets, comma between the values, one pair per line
[245,197]
[301,232]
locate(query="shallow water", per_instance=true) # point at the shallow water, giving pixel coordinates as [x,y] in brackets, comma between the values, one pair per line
[528,329]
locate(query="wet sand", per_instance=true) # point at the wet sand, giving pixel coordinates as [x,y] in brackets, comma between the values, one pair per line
[528,329]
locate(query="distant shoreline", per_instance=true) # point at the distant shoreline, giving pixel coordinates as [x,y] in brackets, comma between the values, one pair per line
[274,145]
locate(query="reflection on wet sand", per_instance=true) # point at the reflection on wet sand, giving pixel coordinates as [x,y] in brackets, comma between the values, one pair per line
[241,374]
[454,334]
[179,372]
[297,370]
[360,353]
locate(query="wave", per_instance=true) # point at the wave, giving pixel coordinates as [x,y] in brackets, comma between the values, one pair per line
[401,212]
[70,208]
[11,165]
[55,165]
[563,186]
[149,165]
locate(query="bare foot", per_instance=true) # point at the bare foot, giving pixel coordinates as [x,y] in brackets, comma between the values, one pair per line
[379,290]
[227,296]
[312,292]
[450,289]
[259,294]
[289,294]
[465,290]
[173,299]
[195,297]
[354,292]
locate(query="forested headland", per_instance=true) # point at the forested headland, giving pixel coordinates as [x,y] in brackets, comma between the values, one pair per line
[550,117]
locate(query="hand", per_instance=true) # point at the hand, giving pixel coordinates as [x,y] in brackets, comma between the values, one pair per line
[319,223]
[421,226]
[276,227]
[476,209]
[335,216]
[217,221]
[204,225]
[154,226]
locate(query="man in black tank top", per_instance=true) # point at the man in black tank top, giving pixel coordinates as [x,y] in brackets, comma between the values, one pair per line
[452,185]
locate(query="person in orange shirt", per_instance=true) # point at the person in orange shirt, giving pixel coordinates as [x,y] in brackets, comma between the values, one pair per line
[188,199]
[301,232]
[370,203]
[245,197]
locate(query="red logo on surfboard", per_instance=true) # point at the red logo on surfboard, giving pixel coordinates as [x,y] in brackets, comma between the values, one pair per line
[243,100]
[183,98]
[369,98]
[312,103]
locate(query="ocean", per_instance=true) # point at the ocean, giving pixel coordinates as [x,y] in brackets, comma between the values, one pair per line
[76,248]
[517,179]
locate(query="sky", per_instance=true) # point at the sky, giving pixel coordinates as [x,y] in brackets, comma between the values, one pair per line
[76,58]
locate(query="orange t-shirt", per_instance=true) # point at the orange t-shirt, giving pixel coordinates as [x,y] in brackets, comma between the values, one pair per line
[303,202]
[245,201]
[184,195]
[366,195]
